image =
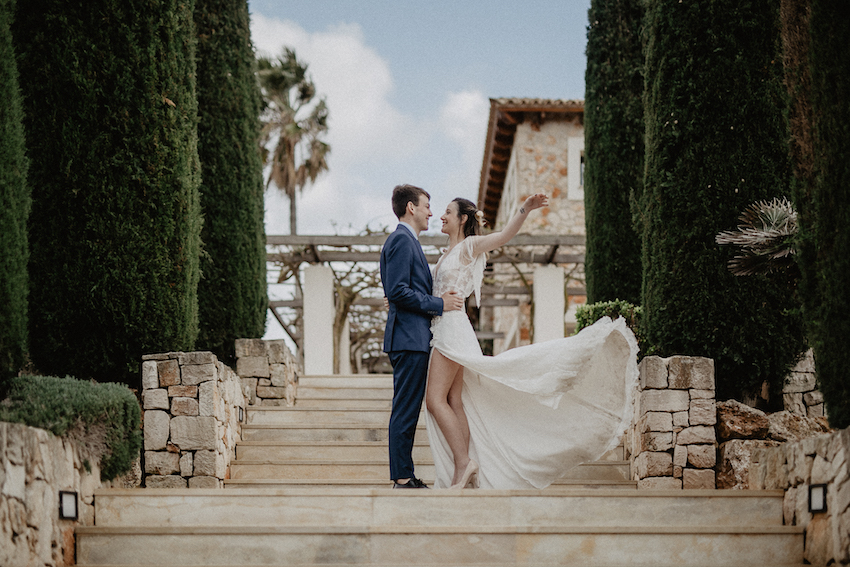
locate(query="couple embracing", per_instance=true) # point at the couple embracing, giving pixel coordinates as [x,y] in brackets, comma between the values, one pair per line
[520,419]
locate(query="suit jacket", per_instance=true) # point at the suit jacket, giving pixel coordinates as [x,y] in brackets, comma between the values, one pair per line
[407,283]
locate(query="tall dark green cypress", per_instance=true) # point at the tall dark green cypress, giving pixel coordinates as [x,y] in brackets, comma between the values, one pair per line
[110,117]
[715,142]
[613,134]
[232,295]
[821,195]
[14,208]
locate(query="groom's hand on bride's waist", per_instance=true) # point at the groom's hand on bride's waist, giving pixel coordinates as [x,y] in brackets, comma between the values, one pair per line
[452,301]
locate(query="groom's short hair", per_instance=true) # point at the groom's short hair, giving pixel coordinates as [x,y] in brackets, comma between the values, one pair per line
[404,194]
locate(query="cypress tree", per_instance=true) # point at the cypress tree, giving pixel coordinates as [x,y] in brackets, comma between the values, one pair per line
[613,133]
[110,117]
[820,89]
[232,296]
[715,142]
[14,209]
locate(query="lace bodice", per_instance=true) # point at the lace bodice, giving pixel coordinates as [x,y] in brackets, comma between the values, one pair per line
[458,270]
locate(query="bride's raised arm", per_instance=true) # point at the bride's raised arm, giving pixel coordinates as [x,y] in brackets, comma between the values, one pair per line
[497,239]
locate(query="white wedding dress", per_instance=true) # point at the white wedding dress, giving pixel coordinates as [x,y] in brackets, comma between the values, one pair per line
[535,411]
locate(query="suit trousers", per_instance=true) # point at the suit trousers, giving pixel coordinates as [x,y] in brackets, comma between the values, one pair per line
[410,372]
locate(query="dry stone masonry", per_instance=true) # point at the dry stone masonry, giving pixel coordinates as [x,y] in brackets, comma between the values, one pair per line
[796,465]
[34,466]
[800,394]
[672,441]
[268,370]
[191,405]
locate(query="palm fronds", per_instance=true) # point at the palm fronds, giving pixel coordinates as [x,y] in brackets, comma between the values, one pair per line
[765,236]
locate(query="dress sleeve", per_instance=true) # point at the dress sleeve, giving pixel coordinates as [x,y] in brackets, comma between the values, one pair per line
[478,264]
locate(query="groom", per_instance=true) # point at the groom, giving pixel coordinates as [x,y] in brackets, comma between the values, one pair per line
[407,285]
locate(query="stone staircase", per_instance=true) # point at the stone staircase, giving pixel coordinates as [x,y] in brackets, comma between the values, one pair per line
[309,487]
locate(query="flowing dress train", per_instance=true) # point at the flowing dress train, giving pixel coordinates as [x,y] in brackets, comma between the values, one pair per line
[535,411]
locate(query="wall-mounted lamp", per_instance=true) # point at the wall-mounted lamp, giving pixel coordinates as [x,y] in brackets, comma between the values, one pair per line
[68,505]
[241,415]
[817,498]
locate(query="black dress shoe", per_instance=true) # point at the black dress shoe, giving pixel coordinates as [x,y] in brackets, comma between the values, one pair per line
[412,483]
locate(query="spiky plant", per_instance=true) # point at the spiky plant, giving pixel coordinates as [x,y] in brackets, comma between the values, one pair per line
[766,237]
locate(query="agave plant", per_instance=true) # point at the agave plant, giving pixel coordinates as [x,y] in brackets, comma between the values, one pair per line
[765,236]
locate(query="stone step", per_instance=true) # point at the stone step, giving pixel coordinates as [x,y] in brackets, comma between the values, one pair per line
[304,402]
[337,450]
[377,469]
[263,483]
[417,545]
[434,508]
[347,381]
[323,432]
[275,415]
[337,393]
[344,450]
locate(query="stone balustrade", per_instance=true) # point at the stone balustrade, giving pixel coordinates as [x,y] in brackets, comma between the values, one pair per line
[672,442]
[794,466]
[192,403]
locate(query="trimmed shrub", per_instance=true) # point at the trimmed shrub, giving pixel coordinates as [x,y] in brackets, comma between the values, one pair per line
[715,142]
[613,134]
[590,313]
[66,406]
[110,117]
[823,177]
[14,209]
[232,295]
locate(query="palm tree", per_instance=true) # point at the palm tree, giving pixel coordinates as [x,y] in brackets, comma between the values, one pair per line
[295,121]
[766,237]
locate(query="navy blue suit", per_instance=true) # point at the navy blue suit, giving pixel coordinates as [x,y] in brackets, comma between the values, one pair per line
[407,283]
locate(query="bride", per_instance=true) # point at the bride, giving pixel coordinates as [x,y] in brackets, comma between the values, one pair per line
[523,418]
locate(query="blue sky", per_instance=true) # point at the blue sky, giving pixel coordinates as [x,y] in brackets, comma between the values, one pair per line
[407,85]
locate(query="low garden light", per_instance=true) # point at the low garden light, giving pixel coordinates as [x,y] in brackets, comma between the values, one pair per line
[817,498]
[68,505]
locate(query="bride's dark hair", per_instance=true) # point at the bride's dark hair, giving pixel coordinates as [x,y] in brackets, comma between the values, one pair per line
[474,217]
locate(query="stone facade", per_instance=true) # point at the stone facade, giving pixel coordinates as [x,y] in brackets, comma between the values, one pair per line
[191,405]
[546,157]
[35,466]
[796,465]
[672,442]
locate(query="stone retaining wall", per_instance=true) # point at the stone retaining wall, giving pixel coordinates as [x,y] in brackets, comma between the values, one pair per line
[800,394]
[793,467]
[191,405]
[672,443]
[34,466]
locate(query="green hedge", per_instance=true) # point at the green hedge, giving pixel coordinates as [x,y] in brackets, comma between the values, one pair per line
[110,117]
[14,209]
[823,206]
[61,405]
[590,313]
[613,134]
[232,295]
[715,142]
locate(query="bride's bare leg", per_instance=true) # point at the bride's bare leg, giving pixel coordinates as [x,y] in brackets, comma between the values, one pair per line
[456,403]
[441,378]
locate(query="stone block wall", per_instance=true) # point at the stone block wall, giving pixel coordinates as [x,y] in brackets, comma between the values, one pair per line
[800,394]
[268,371]
[793,467]
[672,442]
[34,466]
[191,405]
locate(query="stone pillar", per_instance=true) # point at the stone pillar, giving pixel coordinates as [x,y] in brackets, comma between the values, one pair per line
[549,303]
[345,350]
[318,320]
[672,443]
